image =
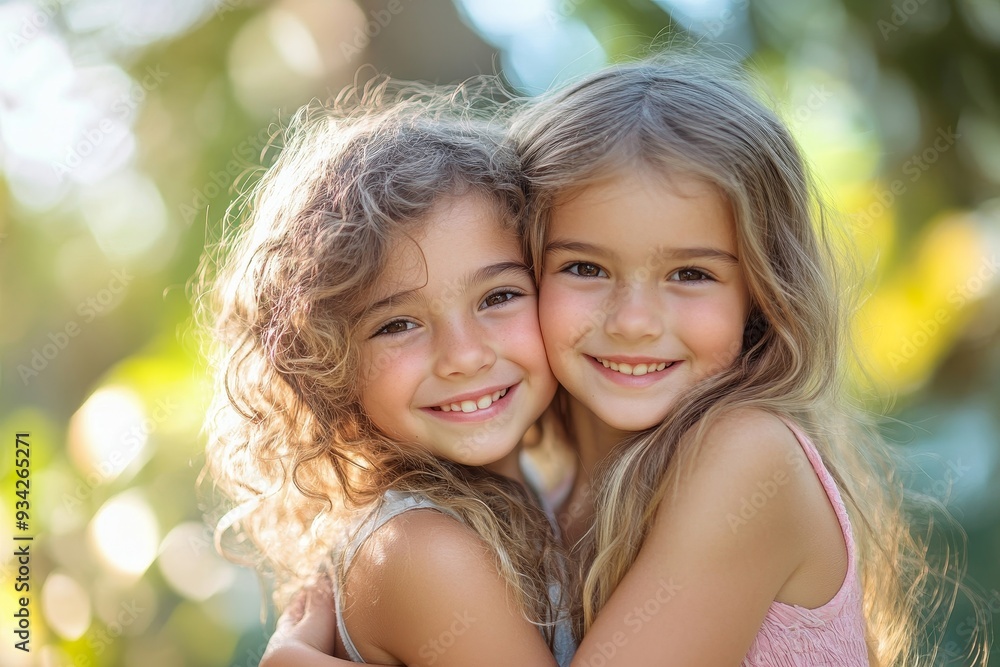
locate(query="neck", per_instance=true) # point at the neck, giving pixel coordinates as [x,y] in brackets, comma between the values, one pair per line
[508,466]
[593,440]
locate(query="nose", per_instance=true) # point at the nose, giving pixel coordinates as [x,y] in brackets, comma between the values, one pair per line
[462,349]
[634,313]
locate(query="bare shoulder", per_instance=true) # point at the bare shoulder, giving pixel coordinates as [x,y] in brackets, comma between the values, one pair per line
[751,445]
[416,546]
[423,582]
[743,490]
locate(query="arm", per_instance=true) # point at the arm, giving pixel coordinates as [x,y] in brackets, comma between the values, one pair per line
[702,583]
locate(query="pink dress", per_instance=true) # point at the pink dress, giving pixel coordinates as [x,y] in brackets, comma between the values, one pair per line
[832,635]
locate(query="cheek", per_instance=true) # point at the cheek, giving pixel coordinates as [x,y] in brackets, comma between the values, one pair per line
[388,375]
[563,315]
[522,340]
[718,335]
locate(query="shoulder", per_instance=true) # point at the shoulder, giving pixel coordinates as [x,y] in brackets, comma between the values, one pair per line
[741,491]
[424,581]
[403,574]
[417,546]
[747,448]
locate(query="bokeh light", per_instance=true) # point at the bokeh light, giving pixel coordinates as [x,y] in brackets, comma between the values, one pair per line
[190,564]
[108,433]
[66,606]
[125,533]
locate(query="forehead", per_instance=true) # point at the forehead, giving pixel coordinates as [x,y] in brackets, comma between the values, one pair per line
[459,234]
[640,207]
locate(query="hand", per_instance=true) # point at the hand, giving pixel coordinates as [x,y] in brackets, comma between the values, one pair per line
[306,632]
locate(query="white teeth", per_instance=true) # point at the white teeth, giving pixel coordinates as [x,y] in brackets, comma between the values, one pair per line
[637,369]
[480,403]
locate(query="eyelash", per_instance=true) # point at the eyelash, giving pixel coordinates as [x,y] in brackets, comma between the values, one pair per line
[513,294]
[569,269]
[704,275]
[381,331]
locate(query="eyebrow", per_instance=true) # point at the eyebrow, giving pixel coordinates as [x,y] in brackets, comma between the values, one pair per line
[477,277]
[576,246]
[700,253]
[670,253]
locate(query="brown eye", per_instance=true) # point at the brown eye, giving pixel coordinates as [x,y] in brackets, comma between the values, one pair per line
[498,298]
[395,327]
[688,275]
[586,270]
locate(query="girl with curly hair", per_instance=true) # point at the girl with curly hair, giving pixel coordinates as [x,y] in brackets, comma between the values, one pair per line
[379,363]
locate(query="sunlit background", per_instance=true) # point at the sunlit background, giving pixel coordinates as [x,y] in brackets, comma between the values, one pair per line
[125,126]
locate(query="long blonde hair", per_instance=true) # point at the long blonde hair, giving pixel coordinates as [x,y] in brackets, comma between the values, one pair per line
[690,117]
[289,445]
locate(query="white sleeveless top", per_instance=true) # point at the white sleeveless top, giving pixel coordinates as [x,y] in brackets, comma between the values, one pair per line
[395,503]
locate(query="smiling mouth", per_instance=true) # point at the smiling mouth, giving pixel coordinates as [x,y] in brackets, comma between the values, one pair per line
[481,403]
[635,369]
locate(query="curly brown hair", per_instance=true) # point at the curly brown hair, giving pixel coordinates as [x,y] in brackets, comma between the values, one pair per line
[289,445]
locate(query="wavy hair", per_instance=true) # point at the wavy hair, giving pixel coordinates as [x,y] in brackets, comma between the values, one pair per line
[692,117]
[289,445]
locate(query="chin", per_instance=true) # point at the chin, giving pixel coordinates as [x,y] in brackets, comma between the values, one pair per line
[633,423]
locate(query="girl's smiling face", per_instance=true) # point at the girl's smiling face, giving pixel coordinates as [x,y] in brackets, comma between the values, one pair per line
[642,294]
[451,354]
